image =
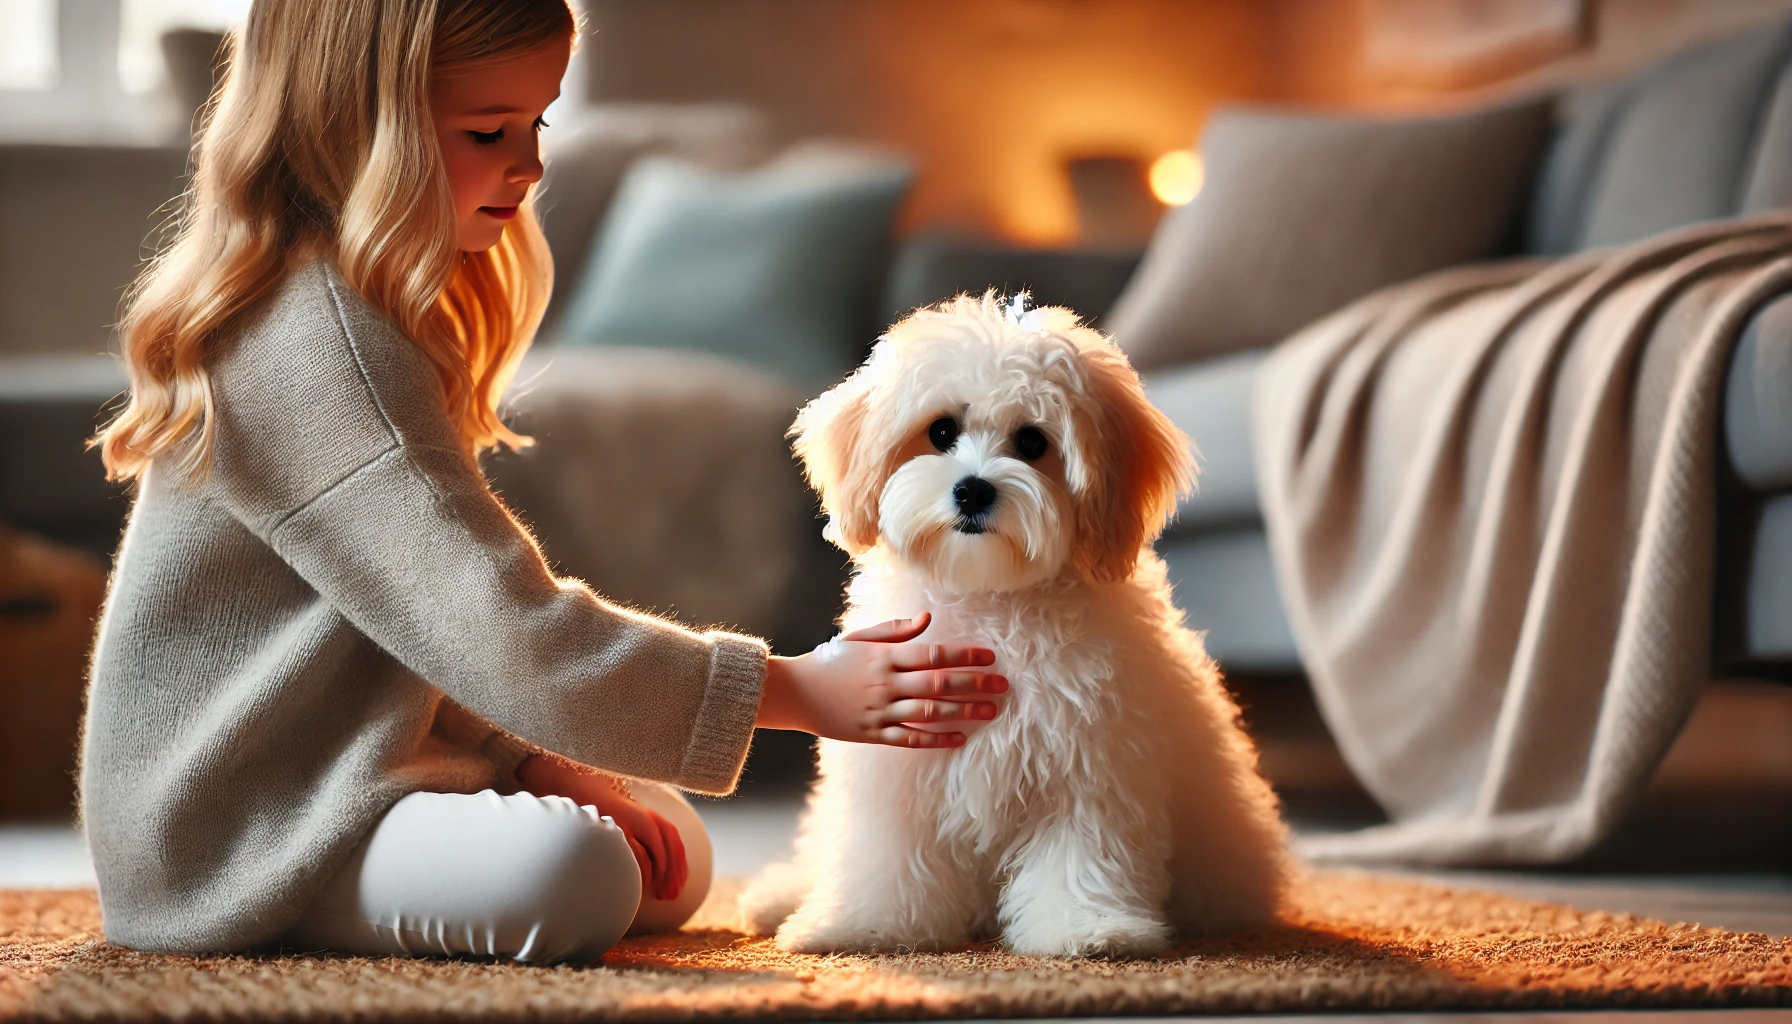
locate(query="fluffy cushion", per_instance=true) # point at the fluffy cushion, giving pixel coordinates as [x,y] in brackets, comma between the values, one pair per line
[779,266]
[1303,212]
[663,479]
[587,159]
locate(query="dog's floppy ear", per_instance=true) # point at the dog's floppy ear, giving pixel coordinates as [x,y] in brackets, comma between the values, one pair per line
[832,437]
[1129,466]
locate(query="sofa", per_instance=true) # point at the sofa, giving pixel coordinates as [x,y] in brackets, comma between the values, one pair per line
[1705,134]
[661,475]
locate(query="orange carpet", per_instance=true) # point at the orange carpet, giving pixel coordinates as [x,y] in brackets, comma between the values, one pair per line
[1352,942]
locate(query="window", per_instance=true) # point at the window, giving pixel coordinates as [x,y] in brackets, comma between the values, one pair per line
[142,23]
[28,44]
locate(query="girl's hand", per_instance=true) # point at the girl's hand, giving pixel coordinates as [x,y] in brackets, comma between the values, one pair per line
[658,850]
[657,847]
[874,681]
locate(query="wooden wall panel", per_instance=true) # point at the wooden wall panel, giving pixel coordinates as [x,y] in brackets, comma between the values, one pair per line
[1458,43]
[1342,53]
[992,96]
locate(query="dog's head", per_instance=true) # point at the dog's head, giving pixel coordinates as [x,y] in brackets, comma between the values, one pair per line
[992,448]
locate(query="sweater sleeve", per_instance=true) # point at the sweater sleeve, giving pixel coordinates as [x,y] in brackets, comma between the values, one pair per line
[328,448]
[417,553]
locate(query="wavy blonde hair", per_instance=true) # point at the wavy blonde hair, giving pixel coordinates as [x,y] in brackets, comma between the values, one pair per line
[319,141]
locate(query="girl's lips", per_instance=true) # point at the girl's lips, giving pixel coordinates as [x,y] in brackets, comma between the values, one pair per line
[500,212]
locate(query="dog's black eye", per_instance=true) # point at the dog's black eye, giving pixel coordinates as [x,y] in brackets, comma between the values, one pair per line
[943,432]
[1030,442]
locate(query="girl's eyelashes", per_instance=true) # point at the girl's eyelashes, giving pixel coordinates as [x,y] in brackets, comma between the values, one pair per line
[488,138]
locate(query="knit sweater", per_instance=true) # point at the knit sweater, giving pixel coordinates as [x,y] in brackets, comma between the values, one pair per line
[340,613]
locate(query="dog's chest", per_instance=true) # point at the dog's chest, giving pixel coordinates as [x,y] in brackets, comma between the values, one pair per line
[1056,723]
[1060,718]
[1049,644]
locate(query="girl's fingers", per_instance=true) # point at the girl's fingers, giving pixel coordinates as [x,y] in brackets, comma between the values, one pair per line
[895,631]
[678,869]
[681,871]
[949,683]
[912,657]
[663,868]
[642,862]
[646,831]
[938,711]
[656,848]
[903,736]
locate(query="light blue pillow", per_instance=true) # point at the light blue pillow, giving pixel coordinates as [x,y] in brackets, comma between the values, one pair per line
[779,266]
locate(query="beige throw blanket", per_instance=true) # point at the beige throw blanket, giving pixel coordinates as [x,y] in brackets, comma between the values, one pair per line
[1491,499]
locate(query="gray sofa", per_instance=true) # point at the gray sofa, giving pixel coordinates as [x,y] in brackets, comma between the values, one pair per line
[661,477]
[1706,134]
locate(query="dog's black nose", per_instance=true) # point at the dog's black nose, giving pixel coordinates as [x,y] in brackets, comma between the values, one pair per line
[974,495]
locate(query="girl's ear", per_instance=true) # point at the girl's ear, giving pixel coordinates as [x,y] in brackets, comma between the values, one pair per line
[834,440]
[1130,465]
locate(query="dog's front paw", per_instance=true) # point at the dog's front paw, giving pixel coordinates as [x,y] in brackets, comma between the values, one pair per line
[1120,936]
[814,933]
[814,929]
[771,898]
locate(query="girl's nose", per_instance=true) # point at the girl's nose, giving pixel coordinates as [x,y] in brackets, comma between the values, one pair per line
[526,170]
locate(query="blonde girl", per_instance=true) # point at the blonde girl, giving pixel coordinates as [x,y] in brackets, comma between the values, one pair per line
[338,699]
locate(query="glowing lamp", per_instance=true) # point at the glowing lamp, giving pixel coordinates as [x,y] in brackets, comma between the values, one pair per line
[1176,177]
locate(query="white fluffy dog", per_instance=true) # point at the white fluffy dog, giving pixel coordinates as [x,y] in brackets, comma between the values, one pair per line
[1003,469]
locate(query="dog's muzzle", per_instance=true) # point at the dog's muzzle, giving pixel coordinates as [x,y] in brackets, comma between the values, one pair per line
[974,497]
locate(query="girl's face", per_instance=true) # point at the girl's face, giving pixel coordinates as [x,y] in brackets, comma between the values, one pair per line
[486,120]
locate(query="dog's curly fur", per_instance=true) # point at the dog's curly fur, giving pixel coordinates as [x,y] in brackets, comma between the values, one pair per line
[1116,799]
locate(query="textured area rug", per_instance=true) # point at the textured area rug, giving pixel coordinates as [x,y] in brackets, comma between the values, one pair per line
[1351,942]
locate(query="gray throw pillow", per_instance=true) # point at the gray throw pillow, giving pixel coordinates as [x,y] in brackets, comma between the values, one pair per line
[779,266]
[1303,212]
[588,158]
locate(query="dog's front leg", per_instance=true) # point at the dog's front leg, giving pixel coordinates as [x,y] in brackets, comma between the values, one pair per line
[1091,880]
[885,880]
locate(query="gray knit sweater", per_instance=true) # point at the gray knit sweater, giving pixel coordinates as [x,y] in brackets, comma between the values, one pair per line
[272,662]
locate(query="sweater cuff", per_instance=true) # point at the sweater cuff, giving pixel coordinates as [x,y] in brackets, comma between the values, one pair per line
[724,726]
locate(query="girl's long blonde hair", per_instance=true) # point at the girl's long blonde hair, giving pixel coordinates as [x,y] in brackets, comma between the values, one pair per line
[319,141]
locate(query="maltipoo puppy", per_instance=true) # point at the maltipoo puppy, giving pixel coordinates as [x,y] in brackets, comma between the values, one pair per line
[1002,469]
